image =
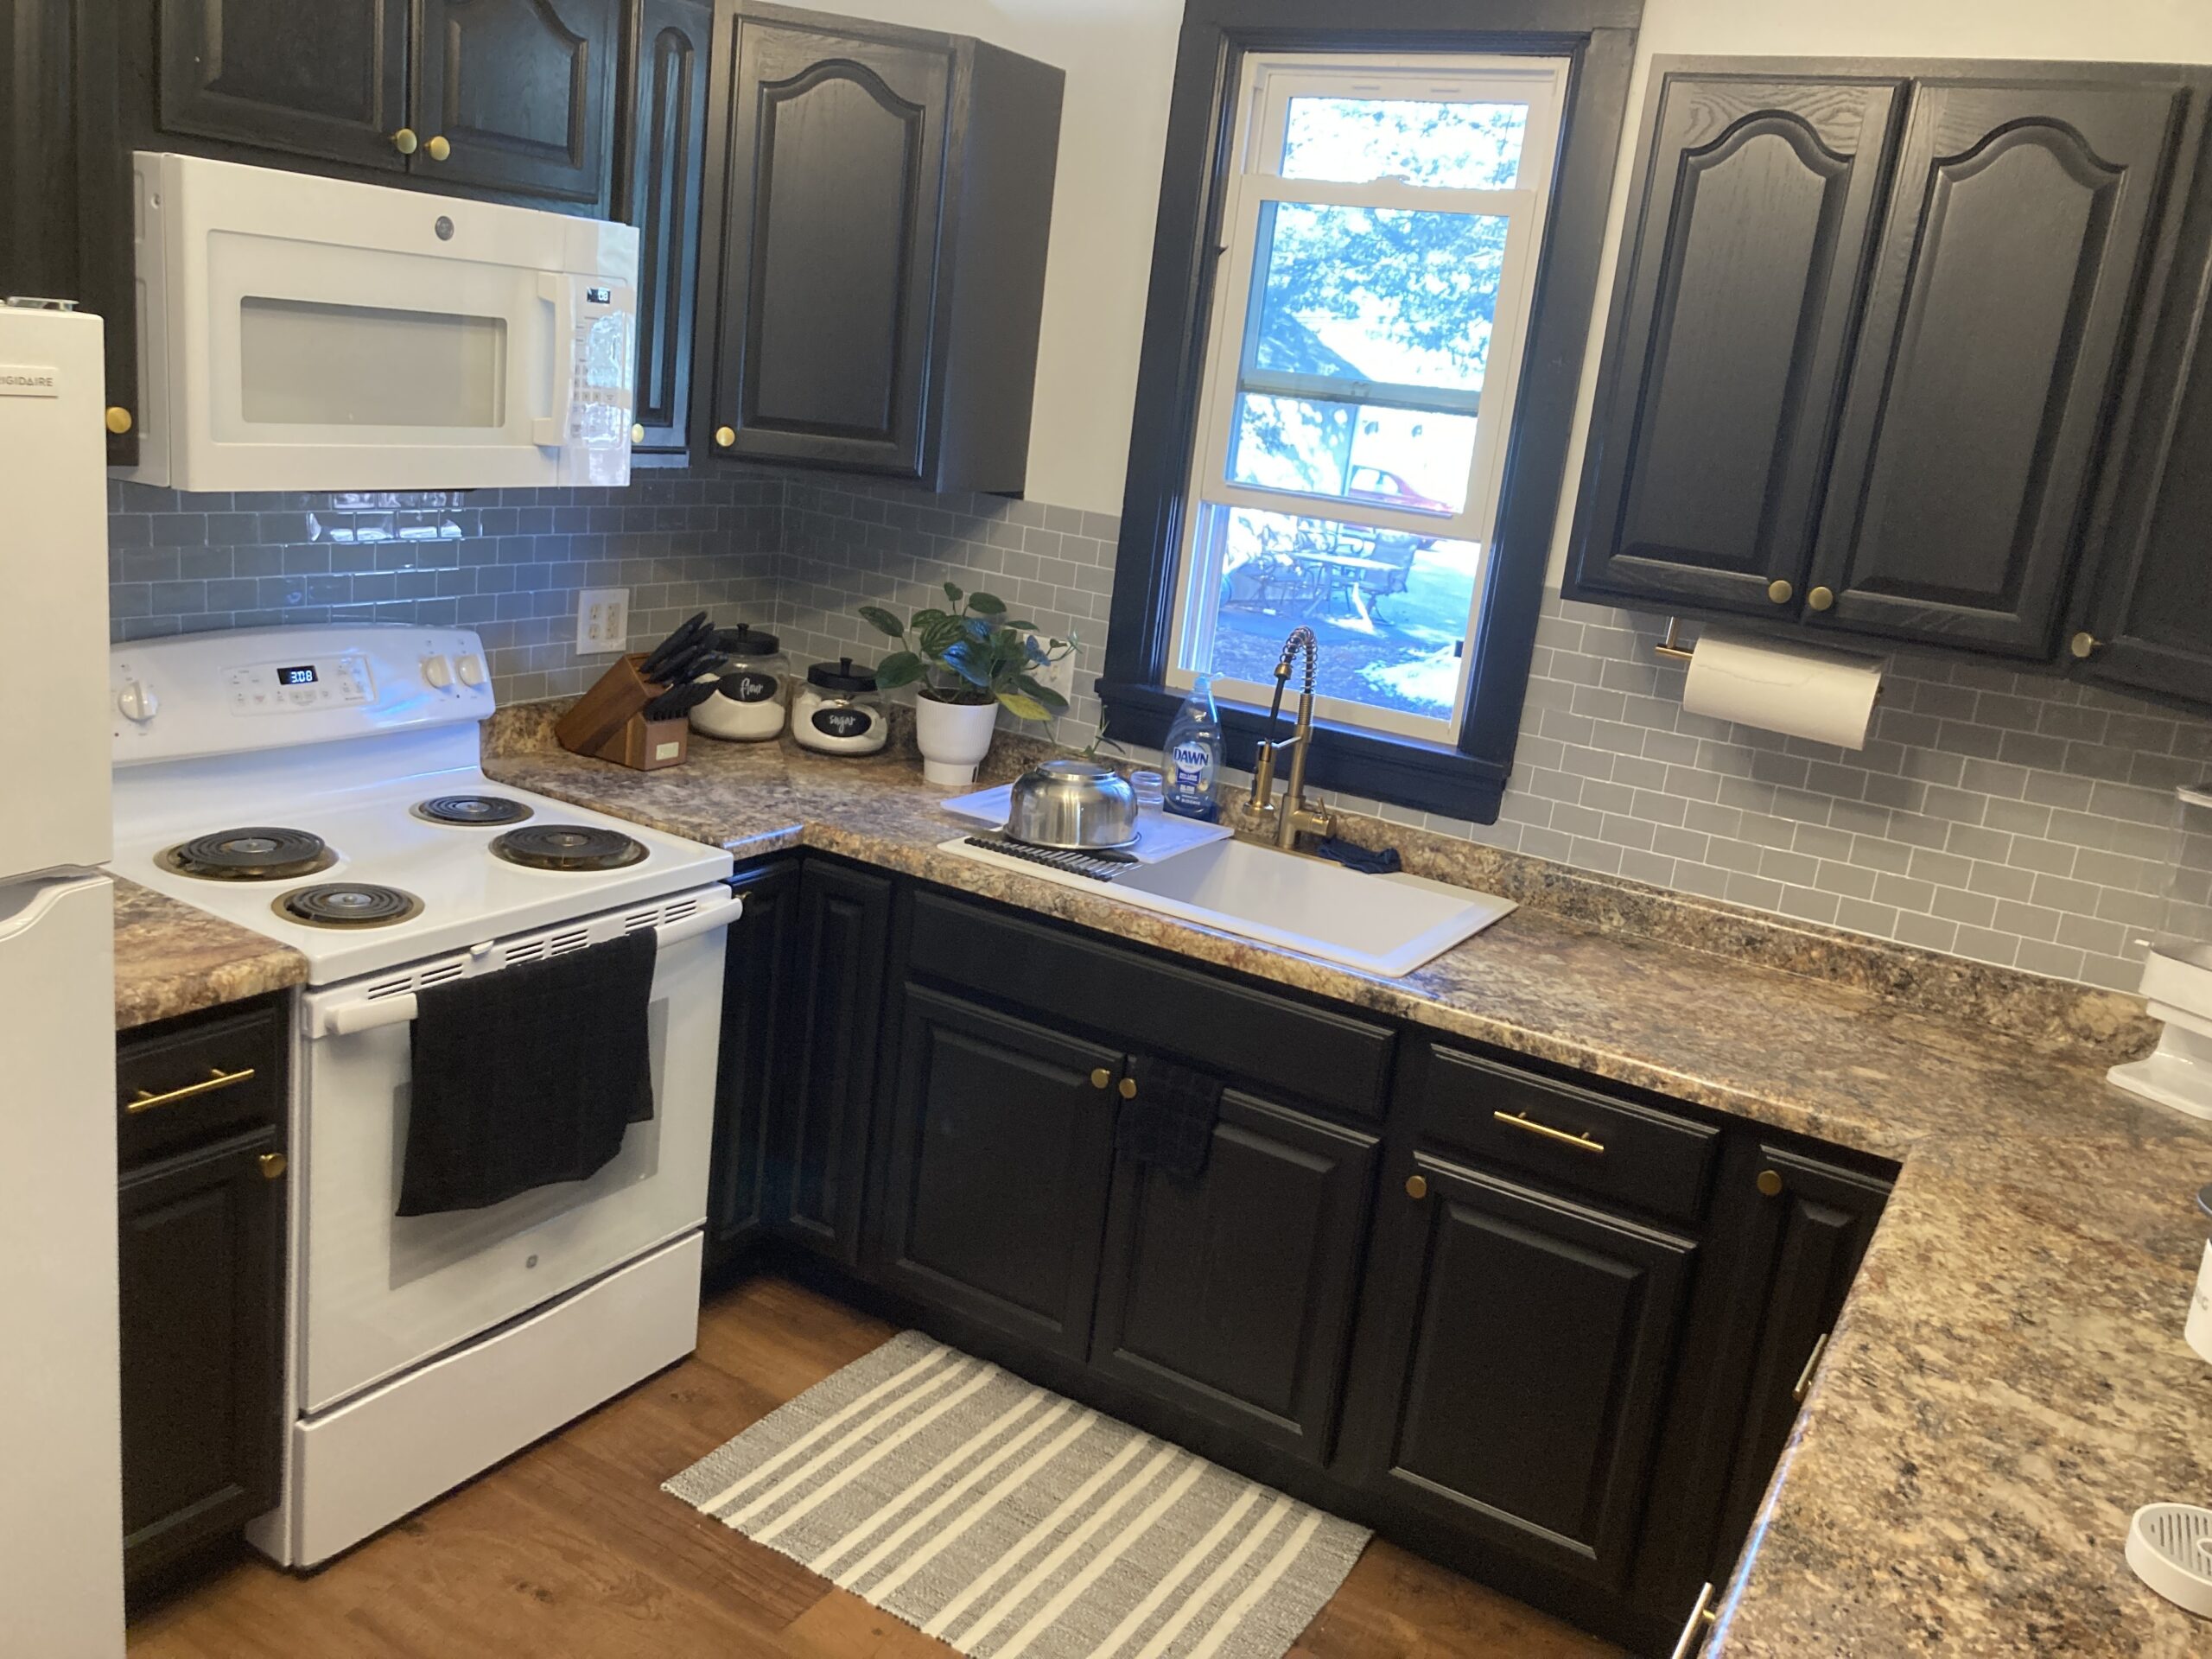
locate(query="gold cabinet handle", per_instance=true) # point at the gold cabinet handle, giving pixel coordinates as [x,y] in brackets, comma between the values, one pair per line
[1780,592]
[1701,1620]
[1416,1186]
[406,141]
[272,1165]
[1101,1078]
[1771,1183]
[216,1078]
[119,419]
[437,149]
[2083,645]
[1128,1089]
[1523,1121]
[1812,1364]
[638,433]
[725,436]
[1820,598]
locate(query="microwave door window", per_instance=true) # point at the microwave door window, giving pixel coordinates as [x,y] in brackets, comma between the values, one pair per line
[304,364]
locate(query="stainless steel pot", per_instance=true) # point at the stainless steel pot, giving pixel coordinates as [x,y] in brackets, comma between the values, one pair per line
[1072,805]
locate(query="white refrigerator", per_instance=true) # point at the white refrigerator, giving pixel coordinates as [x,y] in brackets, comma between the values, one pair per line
[60,1493]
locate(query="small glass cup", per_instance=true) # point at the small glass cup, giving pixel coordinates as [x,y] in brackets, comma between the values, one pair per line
[1150,787]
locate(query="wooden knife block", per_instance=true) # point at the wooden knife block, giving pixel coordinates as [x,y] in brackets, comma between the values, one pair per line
[608,722]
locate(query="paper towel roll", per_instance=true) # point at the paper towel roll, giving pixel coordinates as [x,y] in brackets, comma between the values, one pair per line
[1826,695]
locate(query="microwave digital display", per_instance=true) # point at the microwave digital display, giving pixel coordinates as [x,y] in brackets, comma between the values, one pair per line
[295,675]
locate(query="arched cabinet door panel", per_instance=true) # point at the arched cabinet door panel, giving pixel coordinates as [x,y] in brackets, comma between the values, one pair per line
[522,92]
[1996,330]
[1732,323]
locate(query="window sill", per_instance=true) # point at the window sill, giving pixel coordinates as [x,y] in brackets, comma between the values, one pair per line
[1402,771]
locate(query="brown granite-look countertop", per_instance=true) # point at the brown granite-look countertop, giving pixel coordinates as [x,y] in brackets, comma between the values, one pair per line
[2008,1380]
[171,958]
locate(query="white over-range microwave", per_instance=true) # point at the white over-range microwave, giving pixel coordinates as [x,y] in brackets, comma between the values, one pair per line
[299,333]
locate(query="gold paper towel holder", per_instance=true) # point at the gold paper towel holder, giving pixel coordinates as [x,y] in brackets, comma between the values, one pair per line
[1673,647]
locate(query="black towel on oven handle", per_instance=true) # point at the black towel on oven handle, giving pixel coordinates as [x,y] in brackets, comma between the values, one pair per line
[527,1076]
[1169,1120]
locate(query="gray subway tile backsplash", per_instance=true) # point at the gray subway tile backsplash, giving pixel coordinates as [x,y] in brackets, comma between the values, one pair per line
[2014,818]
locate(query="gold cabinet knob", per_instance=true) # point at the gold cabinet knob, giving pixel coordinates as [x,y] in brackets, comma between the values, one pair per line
[119,419]
[272,1165]
[1780,592]
[406,141]
[1101,1078]
[438,149]
[1416,1186]
[1128,1089]
[1820,598]
[638,433]
[2083,645]
[725,436]
[1771,1183]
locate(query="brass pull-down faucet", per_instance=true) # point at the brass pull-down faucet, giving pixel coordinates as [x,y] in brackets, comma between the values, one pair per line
[1281,825]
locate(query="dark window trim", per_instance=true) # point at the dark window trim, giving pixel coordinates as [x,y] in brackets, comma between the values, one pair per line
[1467,779]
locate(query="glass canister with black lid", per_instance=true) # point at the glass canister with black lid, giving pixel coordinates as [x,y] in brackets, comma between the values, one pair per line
[839,711]
[752,692]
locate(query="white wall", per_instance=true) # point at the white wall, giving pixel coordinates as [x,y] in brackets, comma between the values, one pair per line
[1119,55]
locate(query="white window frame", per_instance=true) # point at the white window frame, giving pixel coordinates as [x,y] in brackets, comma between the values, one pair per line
[1272,81]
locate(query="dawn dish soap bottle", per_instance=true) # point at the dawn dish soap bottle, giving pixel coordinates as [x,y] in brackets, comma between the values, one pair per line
[1193,756]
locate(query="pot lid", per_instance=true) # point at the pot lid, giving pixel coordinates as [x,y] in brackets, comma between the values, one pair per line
[743,641]
[842,675]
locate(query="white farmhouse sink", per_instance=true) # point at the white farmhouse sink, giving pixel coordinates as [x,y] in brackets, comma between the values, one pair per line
[1383,925]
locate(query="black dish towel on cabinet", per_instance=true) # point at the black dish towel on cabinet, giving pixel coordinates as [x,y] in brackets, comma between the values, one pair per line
[527,1076]
[1169,1122]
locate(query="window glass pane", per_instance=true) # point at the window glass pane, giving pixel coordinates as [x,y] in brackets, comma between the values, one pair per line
[1416,460]
[303,362]
[1377,294]
[1391,610]
[1450,146]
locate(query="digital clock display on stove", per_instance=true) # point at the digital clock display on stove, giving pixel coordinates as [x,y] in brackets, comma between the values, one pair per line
[295,675]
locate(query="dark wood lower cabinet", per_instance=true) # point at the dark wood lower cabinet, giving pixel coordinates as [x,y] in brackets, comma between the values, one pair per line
[1231,1293]
[202,1281]
[1001,1137]
[758,974]
[1530,1340]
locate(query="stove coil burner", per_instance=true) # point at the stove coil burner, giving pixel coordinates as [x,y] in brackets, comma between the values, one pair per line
[568,847]
[472,809]
[348,904]
[261,854]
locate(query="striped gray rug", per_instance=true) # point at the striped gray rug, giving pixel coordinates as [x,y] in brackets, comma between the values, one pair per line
[1008,1521]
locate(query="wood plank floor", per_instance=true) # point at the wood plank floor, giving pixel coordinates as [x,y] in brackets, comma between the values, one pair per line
[571,1549]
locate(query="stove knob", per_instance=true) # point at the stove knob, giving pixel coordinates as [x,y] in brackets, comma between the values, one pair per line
[470,670]
[437,672]
[136,701]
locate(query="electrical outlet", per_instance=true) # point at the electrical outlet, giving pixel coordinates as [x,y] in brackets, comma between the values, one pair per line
[602,621]
[1060,677]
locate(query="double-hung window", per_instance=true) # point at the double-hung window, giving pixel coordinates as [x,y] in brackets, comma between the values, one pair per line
[1380,234]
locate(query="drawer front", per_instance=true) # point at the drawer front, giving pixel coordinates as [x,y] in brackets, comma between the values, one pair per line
[1568,1136]
[1157,1008]
[181,1082]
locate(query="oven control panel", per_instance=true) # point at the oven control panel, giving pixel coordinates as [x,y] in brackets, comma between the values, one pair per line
[196,693]
[286,688]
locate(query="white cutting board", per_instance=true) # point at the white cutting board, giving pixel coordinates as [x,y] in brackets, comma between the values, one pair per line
[1159,835]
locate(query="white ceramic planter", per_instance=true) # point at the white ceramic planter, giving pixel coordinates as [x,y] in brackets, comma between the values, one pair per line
[953,738]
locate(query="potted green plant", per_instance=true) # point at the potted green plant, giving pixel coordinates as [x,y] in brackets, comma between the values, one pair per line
[967,663]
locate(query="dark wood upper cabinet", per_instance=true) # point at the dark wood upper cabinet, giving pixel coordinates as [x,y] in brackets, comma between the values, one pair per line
[328,80]
[817,1158]
[886,201]
[1524,1348]
[1738,288]
[1231,1293]
[664,129]
[1996,324]
[1001,1144]
[2146,622]
[522,92]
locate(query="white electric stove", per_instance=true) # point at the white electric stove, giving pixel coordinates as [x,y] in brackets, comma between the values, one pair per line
[321,785]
